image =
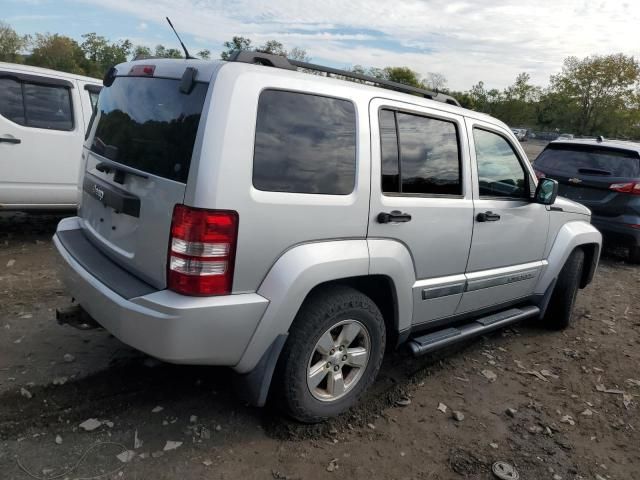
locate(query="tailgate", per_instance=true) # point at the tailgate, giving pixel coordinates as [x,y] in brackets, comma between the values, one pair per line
[138,158]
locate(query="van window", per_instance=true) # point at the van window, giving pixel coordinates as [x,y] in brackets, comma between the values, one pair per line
[48,107]
[148,124]
[422,151]
[304,144]
[36,105]
[11,102]
[500,173]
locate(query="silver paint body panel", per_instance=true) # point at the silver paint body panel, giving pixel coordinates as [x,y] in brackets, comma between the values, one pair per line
[440,264]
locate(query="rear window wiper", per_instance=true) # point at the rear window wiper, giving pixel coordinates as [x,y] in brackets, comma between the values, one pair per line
[594,171]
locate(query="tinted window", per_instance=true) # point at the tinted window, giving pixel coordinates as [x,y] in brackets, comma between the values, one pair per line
[93,98]
[500,173]
[389,152]
[148,124]
[578,160]
[48,107]
[429,157]
[304,144]
[11,102]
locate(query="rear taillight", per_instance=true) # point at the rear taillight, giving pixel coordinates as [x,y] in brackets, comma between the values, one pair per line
[539,174]
[202,251]
[628,187]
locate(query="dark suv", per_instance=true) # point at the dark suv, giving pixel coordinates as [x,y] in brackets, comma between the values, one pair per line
[604,175]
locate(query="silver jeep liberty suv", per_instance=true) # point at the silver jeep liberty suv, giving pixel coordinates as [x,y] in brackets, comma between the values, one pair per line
[294,226]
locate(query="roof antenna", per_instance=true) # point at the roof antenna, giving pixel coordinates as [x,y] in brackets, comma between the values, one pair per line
[186,52]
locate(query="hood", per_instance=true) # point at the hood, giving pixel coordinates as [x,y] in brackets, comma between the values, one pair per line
[571,206]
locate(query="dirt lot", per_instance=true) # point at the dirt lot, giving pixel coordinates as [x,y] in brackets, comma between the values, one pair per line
[562,424]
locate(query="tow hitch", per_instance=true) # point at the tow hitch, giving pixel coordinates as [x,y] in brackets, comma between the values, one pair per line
[76,317]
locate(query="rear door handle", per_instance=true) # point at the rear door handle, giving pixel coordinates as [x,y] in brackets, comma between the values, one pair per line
[488,217]
[10,140]
[395,216]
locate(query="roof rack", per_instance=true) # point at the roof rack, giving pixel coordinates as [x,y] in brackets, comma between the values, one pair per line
[278,61]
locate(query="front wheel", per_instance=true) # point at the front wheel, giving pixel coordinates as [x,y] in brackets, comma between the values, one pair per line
[558,314]
[333,354]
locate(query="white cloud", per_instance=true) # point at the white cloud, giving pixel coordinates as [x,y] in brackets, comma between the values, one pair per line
[490,41]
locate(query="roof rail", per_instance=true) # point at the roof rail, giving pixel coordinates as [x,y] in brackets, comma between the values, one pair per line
[278,61]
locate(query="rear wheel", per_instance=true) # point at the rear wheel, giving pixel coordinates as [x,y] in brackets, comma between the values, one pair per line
[558,314]
[634,254]
[333,354]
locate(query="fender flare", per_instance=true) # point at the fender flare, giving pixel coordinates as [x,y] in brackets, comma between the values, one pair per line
[290,280]
[571,235]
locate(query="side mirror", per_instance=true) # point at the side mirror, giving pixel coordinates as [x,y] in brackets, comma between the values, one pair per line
[546,192]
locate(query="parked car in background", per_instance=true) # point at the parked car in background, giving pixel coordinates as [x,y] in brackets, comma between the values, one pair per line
[520,133]
[44,115]
[291,225]
[565,136]
[604,175]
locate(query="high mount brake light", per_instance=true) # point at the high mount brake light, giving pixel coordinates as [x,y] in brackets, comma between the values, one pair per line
[142,70]
[202,251]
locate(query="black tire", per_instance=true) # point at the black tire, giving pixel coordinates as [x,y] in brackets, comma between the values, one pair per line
[326,308]
[634,254]
[558,314]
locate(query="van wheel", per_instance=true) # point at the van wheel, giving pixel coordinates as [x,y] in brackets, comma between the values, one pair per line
[634,254]
[558,314]
[333,354]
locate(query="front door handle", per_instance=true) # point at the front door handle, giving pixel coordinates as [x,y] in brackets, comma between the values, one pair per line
[488,217]
[395,216]
[10,140]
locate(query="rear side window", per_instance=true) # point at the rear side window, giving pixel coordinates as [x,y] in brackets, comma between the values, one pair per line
[585,160]
[148,124]
[420,155]
[48,107]
[304,144]
[36,105]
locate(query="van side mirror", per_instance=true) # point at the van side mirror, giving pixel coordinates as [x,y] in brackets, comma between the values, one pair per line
[546,192]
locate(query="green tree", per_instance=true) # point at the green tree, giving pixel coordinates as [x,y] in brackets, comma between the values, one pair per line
[599,88]
[11,44]
[140,51]
[403,75]
[299,54]
[273,47]
[236,43]
[204,54]
[164,52]
[58,53]
[436,81]
[102,55]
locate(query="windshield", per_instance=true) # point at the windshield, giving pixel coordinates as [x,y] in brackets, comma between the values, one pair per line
[148,124]
[586,160]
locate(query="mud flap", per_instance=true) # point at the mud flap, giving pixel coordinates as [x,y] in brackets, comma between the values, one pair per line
[253,387]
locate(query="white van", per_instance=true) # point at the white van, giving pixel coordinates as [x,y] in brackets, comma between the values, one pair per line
[44,115]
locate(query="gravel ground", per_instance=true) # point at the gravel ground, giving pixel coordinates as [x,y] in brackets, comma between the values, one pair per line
[574,395]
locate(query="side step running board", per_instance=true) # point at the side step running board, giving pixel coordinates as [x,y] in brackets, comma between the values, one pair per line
[443,338]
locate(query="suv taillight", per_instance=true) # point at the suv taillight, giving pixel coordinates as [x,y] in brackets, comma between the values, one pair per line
[628,187]
[202,251]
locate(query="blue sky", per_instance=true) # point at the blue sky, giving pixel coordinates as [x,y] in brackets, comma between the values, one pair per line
[467,41]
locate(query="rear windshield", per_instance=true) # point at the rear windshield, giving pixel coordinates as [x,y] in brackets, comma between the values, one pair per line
[586,160]
[148,124]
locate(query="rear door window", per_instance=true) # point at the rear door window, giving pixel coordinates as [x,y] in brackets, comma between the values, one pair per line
[420,155]
[585,160]
[36,105]
[148,124]
[48,107]
[304,144]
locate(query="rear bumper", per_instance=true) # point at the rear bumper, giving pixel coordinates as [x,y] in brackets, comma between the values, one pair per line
[618,231]
[164,324]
